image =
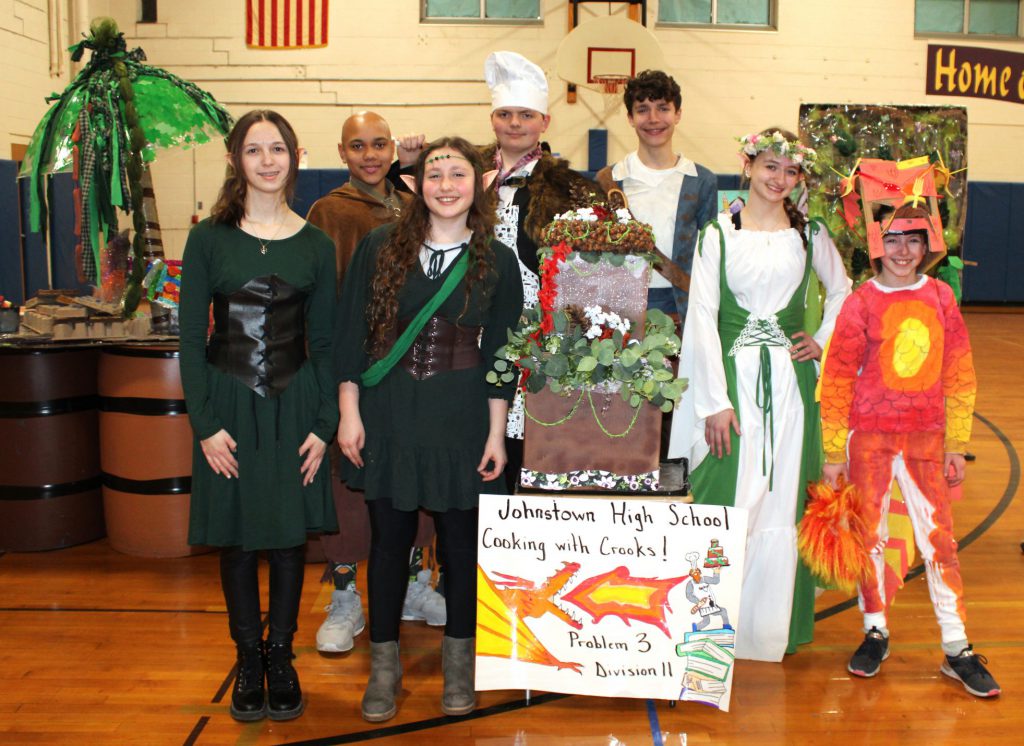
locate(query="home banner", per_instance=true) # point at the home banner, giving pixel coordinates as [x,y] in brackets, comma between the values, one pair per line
[613,597]
[955,70]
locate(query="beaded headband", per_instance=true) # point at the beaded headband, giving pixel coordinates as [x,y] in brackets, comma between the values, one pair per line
[445,156]
[797,152]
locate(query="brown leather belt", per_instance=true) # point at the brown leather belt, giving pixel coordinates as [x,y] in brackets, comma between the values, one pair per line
[441,346]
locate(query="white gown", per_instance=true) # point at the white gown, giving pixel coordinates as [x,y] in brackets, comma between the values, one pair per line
[764,269]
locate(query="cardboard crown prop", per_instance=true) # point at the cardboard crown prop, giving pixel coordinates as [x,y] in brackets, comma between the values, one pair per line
[885,187]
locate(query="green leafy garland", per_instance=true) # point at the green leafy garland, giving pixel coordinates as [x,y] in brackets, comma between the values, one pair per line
[565,359]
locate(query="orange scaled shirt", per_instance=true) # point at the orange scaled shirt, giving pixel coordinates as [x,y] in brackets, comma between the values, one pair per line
[899,362]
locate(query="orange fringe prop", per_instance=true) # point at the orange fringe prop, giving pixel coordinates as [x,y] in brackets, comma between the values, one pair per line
[830,535]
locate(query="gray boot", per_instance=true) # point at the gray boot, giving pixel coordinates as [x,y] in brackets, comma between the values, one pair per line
[385,682]
[458,662]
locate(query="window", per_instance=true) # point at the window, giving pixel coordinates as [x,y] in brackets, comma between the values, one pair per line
[757,13]
[147,11]
[968,17]
[481,10]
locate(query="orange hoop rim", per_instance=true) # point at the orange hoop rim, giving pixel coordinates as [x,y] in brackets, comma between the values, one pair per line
[611,83]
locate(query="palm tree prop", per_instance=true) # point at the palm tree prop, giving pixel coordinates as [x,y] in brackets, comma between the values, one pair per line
[106,127]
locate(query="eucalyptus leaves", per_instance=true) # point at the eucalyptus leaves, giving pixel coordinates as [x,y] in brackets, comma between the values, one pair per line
[587,349]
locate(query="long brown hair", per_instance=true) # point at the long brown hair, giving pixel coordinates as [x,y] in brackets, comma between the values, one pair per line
[230,206]
[796,217]
[402,249]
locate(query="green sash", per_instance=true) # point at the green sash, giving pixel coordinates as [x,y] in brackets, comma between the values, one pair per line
[714,480]
[376,372]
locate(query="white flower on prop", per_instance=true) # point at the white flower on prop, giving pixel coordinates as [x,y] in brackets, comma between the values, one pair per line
[623,215]
[593,332]
[586,214]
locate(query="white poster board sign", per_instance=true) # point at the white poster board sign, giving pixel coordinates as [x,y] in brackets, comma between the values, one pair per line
[606,596]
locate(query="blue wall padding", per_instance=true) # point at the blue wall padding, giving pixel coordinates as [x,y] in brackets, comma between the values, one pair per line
[994,238]
[62,235]
[597,149]
[33,249]
[12,278]
[314,183]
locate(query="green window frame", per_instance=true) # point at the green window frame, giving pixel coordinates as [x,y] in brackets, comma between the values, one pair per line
[732,14]
[997,19]
[486,11]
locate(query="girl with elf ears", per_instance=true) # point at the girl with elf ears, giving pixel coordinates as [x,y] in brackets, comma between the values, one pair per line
[749,422]
[425,305]
[261,399]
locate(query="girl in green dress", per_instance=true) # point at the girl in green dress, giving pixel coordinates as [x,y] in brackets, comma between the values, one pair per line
[261,399]
[425,305]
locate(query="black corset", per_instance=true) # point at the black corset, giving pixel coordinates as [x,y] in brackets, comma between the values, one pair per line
[259,334]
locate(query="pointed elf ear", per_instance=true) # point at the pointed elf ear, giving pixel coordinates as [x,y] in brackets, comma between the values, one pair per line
[410,181]
[488,178]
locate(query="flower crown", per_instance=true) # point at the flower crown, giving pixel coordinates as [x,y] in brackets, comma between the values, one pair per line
[799,153]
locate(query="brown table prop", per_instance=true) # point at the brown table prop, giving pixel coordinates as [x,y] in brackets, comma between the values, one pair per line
[579,441]
[49,453]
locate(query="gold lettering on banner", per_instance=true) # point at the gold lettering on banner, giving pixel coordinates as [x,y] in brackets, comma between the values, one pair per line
[985,79]
[975,71]
[963,78]
[946,71]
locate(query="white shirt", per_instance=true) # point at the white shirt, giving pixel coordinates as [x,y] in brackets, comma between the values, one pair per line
[653,198]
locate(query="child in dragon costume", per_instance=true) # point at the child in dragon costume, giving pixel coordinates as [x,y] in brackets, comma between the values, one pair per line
[898,390]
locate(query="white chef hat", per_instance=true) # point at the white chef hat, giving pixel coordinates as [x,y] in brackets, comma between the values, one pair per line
[515,82]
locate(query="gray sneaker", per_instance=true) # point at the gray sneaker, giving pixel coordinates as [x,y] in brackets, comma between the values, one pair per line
[423,603]
[869,656]
[344,621]
[968,668]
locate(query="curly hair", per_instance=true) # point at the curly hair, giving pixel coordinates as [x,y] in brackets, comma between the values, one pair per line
[797,219]
[652,85]
[402,249]
[230,206]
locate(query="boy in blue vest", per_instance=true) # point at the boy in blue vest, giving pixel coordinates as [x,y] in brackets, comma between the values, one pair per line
[665,189]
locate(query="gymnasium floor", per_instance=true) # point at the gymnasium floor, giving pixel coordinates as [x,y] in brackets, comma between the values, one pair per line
[100,648]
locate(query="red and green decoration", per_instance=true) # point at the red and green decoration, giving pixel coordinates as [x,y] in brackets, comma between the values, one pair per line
[106,126]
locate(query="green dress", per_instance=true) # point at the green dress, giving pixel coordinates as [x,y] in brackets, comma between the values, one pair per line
[425,438]
[714,480]
[266,507]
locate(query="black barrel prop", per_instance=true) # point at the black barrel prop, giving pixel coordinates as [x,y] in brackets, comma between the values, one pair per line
[145,451]
[50,494]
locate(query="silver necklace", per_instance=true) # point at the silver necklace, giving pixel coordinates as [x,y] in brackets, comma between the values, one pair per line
[265,243]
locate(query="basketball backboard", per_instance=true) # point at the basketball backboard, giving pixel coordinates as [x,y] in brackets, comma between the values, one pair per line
[607,47]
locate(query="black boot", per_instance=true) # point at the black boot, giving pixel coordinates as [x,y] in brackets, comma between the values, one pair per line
[284,695]
[248,698]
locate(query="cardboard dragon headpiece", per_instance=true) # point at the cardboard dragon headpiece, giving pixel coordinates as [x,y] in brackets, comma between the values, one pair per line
[901,197]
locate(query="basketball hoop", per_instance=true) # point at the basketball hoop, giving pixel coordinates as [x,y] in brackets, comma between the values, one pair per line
[611,84]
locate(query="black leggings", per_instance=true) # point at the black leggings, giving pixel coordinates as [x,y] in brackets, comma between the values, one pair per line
[240,580]
[391,537]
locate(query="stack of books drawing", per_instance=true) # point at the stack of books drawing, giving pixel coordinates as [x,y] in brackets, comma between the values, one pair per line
[709,658]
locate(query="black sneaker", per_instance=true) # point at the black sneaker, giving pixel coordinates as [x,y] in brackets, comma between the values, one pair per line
[869,656]
[968,668]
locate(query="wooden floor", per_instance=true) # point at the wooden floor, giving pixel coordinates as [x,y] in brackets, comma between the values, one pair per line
[101,648]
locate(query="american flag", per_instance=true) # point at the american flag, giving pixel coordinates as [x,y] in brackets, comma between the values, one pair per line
[285,24]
